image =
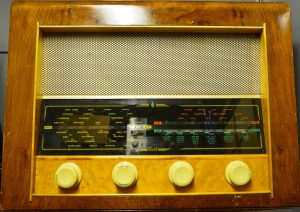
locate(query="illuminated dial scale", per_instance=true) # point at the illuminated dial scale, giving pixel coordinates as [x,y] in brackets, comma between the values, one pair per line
[151,127]
[147,127]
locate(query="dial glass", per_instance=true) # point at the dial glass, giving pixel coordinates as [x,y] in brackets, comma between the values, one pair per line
[151,127]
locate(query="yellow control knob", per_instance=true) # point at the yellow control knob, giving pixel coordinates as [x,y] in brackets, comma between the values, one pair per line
[68,175]
[181,173]
[124,174]
[238,173]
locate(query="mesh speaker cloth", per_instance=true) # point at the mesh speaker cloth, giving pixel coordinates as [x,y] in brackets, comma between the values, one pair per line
[116,64]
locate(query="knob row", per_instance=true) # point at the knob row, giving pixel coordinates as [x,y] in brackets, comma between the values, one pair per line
[125,174]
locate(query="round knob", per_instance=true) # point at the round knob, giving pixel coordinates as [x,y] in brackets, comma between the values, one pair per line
[237,173]
[68,175]
[124,174]
[181,173]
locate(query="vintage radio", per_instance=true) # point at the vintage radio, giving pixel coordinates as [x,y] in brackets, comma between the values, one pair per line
[126,105]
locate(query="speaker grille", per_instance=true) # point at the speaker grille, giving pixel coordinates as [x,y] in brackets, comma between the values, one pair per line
[109,64]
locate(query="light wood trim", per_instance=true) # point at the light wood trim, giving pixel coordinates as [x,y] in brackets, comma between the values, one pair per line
[155,97]
[35,114]
[145,194]
[36,106]
[96,172]
[151,28]
[265,99]
[150,157]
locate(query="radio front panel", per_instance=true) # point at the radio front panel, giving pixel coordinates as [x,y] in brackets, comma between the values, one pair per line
[189,106]
[136,112]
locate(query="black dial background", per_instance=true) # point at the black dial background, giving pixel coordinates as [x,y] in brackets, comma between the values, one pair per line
[173,126]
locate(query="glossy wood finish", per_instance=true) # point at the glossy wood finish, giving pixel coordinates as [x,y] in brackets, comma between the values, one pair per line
[20,95]
[153,175]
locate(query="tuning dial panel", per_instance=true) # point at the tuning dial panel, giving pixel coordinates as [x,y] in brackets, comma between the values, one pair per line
[181,174]
[238,173]
[68,175]
[124,174]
